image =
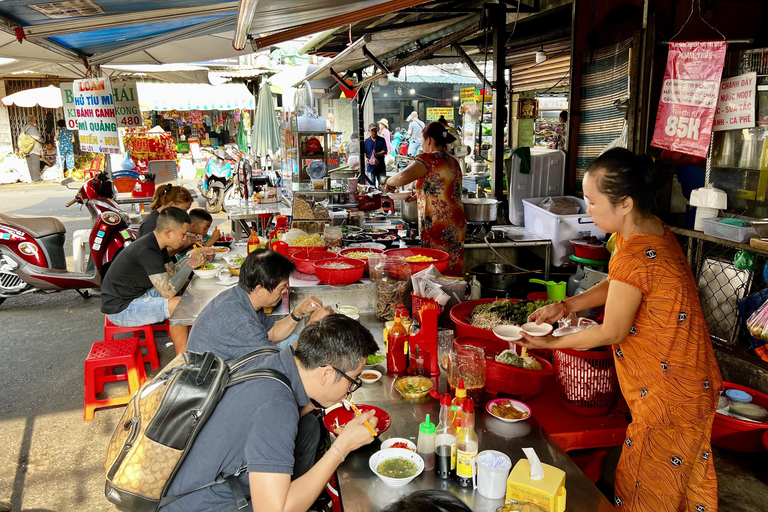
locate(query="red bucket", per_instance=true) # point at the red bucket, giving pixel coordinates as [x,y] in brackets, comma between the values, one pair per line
[587,381]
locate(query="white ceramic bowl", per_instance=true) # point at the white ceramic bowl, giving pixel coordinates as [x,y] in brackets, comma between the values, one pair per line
[220,254]
[370,381]
[536,330]
[507,332]
[399,196]
[208,274]
[395,453]
[387,445]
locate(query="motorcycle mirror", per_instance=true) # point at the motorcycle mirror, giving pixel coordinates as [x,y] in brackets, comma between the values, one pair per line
[67,181]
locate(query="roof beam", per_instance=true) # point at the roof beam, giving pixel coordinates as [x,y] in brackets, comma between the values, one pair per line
[472,66]
[10,27]
[373,60]
[88,24]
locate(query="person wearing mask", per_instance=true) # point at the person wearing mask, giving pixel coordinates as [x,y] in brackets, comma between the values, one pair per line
[655,327]
[415,128]
[561,132]
[375,150]
[33,158]
[65,157]
[442,223]
[384,134]
[165,196]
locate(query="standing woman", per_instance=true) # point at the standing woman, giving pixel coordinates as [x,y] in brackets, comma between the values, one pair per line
[384,134]
[65,157]
[442,223]
[654,324]
[165,196]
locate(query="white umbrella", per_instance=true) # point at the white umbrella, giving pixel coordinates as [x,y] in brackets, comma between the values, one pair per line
[46,97]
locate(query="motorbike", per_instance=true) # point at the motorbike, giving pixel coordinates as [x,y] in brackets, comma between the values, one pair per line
[32,248]
[218,176]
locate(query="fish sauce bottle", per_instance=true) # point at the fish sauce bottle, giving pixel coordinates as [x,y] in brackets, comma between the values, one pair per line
[445,441]
[466,446]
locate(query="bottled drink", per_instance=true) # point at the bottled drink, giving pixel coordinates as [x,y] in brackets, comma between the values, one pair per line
[454,415]
[397,347]
[445,441]
[466,446]
[425,446]
[253,241]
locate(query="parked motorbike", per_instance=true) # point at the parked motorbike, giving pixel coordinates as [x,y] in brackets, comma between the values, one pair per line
[218,175]
[32,248]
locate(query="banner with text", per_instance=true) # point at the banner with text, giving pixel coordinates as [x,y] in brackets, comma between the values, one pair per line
[433,114]
[467,94]
[127,110]
[736,103]
[68,104]
[95,107]
[689,97]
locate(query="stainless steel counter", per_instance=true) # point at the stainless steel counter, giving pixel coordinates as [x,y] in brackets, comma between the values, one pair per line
[362,491]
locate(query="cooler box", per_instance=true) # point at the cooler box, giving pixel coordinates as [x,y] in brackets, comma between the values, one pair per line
[559,228]
[545,179]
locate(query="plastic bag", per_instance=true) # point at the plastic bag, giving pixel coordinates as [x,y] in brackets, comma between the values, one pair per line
[757,323]
[571,324]
[744,260]
[560,206]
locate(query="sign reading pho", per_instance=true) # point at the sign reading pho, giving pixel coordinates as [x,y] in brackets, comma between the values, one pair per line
[736,103]
[95,106]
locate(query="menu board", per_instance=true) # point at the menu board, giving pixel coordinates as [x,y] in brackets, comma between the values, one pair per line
[95,106]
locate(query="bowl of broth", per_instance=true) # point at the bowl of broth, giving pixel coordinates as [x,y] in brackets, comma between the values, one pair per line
[396,467]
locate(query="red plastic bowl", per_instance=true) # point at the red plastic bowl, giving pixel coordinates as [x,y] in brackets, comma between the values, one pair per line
[461,312]
[340,276]
[344,416]
[596,252]
[441,258]
[344,252]
[503,378]
[293,249]
[740,435]
[305,260]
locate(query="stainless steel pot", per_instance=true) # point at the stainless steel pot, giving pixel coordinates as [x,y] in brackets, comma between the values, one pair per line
[497,276]
[410,211]
[480,210]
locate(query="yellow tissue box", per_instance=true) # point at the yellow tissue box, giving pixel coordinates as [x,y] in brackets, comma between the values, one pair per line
[548,493]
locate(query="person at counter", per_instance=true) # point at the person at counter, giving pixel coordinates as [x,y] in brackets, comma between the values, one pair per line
[263,431]
[442,223]
[141,284]
[654,323]
[234,323]
[165,196]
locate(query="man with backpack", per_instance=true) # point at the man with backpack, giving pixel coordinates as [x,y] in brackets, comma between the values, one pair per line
[31,146]
[263,432]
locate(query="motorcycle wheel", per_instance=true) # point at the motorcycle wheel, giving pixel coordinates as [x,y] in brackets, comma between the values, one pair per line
[214,201]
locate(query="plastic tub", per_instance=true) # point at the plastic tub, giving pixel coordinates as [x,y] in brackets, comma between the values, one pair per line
[339,276]
[459,315]
[441,258]
[587,380]
[348,250]
[305,260]
[740,435]
[503,378]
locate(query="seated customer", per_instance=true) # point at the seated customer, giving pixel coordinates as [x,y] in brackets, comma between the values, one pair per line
[141,283]
[201,223]
[234,323]
[165,196]
[263,432]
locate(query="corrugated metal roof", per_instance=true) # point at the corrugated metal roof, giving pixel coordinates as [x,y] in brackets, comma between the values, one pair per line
[441,79]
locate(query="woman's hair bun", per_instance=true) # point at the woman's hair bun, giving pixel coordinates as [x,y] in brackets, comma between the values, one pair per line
[628,175]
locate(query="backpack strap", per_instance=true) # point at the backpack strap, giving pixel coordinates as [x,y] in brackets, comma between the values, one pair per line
[257,373]
[238,363]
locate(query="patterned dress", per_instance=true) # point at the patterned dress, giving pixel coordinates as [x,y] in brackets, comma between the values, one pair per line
[442,223]
[670,379]
[66,153]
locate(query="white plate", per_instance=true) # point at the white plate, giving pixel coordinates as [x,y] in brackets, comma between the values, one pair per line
[520,406]
[399,196]
[370,381]
[507,332]
[536,330]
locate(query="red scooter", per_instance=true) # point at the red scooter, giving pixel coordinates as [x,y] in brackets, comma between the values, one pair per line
[32,248]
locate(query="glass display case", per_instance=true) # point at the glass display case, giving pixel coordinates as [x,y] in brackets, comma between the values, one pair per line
[549,116]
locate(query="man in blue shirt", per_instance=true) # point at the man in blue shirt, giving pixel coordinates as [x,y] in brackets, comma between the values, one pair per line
[375,147]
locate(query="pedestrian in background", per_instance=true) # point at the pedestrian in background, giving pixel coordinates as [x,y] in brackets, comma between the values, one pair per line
[33,158]
[65,157]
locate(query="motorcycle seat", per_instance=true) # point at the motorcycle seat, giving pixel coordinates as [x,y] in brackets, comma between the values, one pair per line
[38,226]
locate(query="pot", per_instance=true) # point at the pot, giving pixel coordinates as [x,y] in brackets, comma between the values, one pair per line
[480,210]
[410,211]
[497,276]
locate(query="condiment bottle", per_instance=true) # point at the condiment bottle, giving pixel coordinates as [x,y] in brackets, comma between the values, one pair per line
[425,446]
[466,446]
[454,415]
[253,241]
[475,288]
[445,441]
[397,347]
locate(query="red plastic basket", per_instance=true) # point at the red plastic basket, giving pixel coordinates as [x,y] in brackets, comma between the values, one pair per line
[740,435]
[366,203]
[417,302]
[124,185]
[587,381]
[459,315]
[333,491]
[339,276]
[305,260]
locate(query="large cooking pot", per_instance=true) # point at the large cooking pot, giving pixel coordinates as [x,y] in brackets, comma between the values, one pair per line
[480,210]
[410,211]
[497,276]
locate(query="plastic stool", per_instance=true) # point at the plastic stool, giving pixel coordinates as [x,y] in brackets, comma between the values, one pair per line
[103,358]
[388,205]
[110,330]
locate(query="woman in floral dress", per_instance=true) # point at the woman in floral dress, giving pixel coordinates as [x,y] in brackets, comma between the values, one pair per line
[66,155]
[442,222]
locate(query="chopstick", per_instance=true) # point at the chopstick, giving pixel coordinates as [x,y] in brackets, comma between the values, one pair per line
[367,423]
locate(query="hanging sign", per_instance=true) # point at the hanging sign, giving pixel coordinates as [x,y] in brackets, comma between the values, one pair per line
[68,104]
[736,103]
[96,121]
[689,97]
[527,109]
[127,110]
[433,114]
[467,94]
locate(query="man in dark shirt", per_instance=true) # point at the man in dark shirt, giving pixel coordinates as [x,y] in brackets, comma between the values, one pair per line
[141,284]
[234,323]
[261,430]
[375,147]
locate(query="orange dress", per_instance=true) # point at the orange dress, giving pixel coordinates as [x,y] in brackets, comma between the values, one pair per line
[442,223]
[670,379]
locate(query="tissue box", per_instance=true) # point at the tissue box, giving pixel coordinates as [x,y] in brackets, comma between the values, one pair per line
[548,493]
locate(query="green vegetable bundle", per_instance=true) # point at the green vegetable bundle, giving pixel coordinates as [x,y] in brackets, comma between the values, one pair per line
[504,312]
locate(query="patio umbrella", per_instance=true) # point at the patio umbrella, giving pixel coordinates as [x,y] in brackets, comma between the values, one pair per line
[265,130]
[46,97]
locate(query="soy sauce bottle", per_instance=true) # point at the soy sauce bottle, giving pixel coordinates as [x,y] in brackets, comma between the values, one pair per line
[445,441]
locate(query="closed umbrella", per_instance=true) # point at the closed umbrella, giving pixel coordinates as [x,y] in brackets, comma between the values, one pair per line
[265,129]
[46,97]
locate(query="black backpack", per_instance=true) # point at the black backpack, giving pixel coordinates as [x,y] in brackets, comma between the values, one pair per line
[161,422]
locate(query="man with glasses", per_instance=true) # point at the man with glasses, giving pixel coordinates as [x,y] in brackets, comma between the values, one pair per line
[141,285]
[262,431]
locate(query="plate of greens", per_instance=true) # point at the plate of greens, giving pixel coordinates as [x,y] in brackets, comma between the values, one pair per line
[375,359]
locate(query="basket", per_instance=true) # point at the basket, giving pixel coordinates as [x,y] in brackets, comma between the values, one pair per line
[293,249]
[587,381]
[713,227]
[366,203]
[416,381]
[333,491]
[125,185]
[417,302]
[305,260]
[344,253]
[147,189]
[339,276]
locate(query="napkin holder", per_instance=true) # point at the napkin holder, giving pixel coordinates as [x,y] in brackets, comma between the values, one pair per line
[547,493]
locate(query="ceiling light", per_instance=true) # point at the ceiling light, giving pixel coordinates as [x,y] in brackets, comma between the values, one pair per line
[541,55]
[455,98]
[413,91]
[383,81]
[385,95]
[399,91]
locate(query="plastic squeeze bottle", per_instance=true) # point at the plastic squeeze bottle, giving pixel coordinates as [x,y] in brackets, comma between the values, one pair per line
[425,446]
[454,415]
[397,346]
[253,241]
[445,441]
[466,446]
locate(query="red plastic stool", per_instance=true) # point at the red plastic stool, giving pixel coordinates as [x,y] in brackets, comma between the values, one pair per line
[388,205]
[103,358]
[110,330]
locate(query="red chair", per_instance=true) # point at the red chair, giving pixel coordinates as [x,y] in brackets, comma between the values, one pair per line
[148,342]
[94,169]
[100,364]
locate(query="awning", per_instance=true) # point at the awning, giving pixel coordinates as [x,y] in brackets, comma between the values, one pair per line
[194,97]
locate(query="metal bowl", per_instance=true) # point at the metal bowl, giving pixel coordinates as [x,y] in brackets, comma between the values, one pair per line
[497,276]
[761,227]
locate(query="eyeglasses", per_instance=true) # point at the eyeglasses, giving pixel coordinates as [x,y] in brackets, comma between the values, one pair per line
[354,384]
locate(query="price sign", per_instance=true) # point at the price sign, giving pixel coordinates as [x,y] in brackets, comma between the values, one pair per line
[95,107]
[433,114]
[467,94]
[736,103]
[689,97]
[127,111]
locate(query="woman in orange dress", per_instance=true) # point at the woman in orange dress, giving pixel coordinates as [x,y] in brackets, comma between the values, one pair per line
[442,223]
[654,324]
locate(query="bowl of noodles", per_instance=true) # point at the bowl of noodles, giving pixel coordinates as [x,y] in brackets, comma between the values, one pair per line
[336,419]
